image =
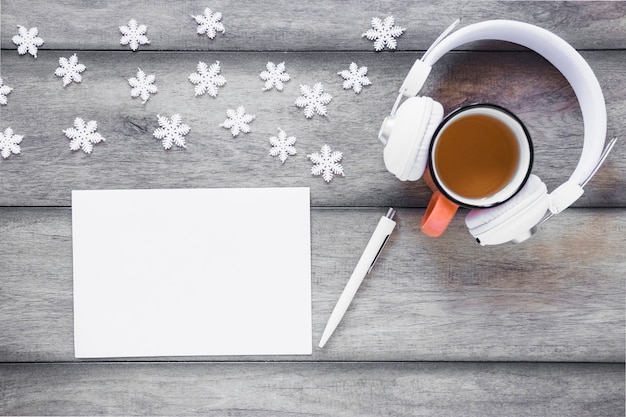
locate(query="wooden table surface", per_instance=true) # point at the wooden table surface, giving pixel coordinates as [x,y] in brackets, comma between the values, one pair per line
[442,327]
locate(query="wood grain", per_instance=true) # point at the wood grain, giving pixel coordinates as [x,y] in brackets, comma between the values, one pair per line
[310,26]
[305,389]
[442,299]
[46,171]
[441,327]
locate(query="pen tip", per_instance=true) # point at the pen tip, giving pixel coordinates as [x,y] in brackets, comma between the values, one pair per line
[323,340]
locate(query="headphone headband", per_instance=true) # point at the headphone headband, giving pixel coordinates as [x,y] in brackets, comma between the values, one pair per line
[554,49]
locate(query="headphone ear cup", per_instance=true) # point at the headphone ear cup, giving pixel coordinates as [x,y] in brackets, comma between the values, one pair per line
[411,130]
[421,158]
[514,219]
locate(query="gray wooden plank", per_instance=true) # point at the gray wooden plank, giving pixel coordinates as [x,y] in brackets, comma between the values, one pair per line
[556,297]
[305,389]
[40,108]
[319,25]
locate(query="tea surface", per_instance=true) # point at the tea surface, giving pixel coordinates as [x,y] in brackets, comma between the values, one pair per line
[476,156]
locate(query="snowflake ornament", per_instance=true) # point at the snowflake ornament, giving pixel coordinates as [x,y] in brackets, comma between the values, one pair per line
[142,85]
[238,121]
[134,35]
[9,143]
[282,146]
[209,23]
[4,91]
[83,135]
[313,100]
[207,79]
[70,70]
[355,78]
[172,131]
[27,40]
[274,76]
[326,163]
[384,33]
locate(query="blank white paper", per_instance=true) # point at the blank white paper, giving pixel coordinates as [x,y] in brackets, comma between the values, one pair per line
[191,272]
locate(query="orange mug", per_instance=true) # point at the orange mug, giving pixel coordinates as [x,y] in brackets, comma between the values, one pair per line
[480,156]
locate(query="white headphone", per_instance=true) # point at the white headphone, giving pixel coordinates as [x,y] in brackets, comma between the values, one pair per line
[408,130]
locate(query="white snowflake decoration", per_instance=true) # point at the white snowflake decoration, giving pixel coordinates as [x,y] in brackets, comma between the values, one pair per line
[70,70]
[27,40]
[142,85]
[134,35]
[314,100]
[326,163]
[4,91]
[209,23]
[172,131]
[274,76]
[83,135]
[238,121]
[383,33]
[9,143]
[207,79]
[355,78]
[282,146]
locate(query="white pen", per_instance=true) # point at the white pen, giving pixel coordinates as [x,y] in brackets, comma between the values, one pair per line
[363,267]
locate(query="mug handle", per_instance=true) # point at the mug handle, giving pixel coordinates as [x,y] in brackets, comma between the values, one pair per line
[438,215]
[439,212]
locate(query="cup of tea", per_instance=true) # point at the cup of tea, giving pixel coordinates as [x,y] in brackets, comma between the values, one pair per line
[480,156]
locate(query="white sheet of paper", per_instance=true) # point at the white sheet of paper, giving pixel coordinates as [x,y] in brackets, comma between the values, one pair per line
[191,272]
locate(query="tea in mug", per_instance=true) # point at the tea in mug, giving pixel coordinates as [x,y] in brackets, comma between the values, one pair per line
[476,156]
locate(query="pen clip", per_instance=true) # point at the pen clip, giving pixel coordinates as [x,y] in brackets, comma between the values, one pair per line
[378,254]
[391,213]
